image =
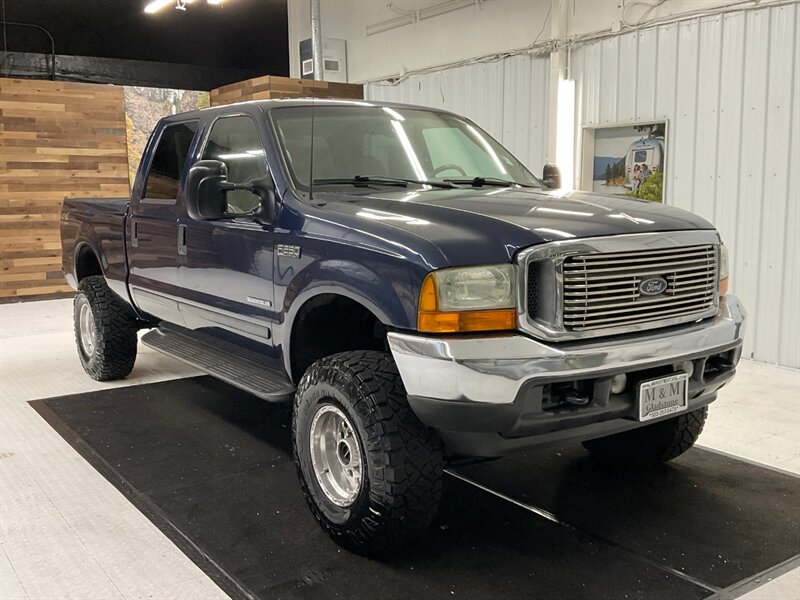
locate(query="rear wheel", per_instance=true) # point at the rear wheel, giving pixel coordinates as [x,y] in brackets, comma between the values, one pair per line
[656,443]
[371,472]
[105,331]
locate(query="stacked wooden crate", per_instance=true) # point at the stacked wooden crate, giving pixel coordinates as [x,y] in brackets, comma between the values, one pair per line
[270,87]
[57,139]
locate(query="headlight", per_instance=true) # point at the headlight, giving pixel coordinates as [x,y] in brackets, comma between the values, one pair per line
[723,270]
[468,299]
[475,288]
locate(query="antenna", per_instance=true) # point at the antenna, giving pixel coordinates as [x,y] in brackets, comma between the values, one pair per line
[311,158]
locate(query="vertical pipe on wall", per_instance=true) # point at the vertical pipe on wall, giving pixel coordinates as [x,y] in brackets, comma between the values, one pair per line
[316,41]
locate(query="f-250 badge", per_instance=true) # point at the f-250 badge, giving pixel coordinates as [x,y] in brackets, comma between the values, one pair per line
[288,250]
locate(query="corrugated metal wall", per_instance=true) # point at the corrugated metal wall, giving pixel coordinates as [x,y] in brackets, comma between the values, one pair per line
[507,98]
[728,87]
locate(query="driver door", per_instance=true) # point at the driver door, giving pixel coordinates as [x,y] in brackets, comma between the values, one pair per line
[225,266]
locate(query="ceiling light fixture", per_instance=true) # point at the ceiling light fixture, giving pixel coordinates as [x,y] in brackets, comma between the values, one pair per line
[157,5]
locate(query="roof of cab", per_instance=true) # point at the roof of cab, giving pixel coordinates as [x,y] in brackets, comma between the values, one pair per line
[267,105]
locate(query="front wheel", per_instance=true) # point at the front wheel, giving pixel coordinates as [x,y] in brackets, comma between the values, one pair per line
[105,331]
[651,444]
[371,472]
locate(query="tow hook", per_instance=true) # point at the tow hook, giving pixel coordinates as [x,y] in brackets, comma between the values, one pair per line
[573,396]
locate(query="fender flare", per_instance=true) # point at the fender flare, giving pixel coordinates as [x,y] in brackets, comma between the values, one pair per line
[361,285]
[83,244]
[309,294]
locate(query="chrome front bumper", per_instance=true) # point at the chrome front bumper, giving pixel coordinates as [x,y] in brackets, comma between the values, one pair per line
[492,369]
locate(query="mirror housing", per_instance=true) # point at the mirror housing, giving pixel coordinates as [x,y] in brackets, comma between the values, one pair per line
[264,188]
[205,186]
[208,186]
[551,175]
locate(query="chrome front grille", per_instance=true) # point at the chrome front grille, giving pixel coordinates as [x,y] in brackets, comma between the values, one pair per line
[602,290]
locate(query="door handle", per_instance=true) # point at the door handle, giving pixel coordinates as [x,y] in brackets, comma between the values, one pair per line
[135,234]
[182,240]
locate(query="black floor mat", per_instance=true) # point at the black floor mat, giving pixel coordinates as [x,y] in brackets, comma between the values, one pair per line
[211,466]
[708,515]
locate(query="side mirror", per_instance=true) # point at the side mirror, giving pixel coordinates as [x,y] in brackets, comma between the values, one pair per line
[206,186]
[551,175]
[264,189]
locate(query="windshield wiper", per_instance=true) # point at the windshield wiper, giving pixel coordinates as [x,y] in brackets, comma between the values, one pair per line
[488,181]
[381,180]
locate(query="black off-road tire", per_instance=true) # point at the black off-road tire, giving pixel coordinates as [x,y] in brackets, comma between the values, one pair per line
[401,485]
[115,341]
[651,444]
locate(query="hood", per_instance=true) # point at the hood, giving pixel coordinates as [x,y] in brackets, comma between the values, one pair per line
[494,223]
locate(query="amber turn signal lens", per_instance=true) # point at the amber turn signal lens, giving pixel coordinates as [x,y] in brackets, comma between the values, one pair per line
[472,320]
[723,286]
[427,295]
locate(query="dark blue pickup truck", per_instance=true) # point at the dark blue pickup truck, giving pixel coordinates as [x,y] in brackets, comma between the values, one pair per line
[412,288]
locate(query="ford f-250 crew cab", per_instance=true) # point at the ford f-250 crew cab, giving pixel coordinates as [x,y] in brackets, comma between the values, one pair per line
[412,288]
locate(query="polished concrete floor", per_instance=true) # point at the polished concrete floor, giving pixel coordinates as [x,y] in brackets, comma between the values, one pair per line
[65,531]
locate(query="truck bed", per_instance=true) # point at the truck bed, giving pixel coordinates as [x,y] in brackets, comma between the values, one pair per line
[96,205]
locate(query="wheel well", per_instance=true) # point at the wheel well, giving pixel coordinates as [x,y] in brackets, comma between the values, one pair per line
[86,264]
[329,323]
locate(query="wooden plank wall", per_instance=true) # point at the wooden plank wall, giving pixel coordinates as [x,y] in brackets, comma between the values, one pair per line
[270,87]
[57,139]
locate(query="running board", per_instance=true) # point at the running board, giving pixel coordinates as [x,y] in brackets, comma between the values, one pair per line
[232,364]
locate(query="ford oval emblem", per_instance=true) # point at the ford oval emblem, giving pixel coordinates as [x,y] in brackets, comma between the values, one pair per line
[653,286]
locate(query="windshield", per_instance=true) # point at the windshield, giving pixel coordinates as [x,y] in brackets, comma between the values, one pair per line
[354,142]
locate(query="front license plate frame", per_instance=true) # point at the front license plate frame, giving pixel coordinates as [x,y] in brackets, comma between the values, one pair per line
[656,398]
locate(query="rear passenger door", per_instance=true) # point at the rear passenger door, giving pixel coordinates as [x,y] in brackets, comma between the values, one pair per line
[153,224]
[226,266]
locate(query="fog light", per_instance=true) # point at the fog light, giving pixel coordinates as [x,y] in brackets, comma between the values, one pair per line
[618,383]
[687,366]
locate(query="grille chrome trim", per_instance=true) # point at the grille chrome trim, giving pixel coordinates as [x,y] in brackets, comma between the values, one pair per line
[654,271]
[647,301]
[623,254]
[589,272]
[596,283]
[643,256]
[626,319]
[636,311]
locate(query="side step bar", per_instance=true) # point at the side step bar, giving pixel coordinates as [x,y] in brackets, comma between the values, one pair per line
[232,364]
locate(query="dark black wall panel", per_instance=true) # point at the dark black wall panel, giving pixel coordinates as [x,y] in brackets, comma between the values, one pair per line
[248,37]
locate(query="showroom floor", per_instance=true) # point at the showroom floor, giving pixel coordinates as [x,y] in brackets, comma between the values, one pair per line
[66,531]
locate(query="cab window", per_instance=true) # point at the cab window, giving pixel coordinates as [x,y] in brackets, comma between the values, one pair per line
[236,142]
[169,160]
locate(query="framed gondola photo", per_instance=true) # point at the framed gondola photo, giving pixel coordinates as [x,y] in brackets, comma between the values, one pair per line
[627,160]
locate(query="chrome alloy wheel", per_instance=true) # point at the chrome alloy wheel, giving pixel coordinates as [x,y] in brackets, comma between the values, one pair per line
[86,328]
[336,455]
